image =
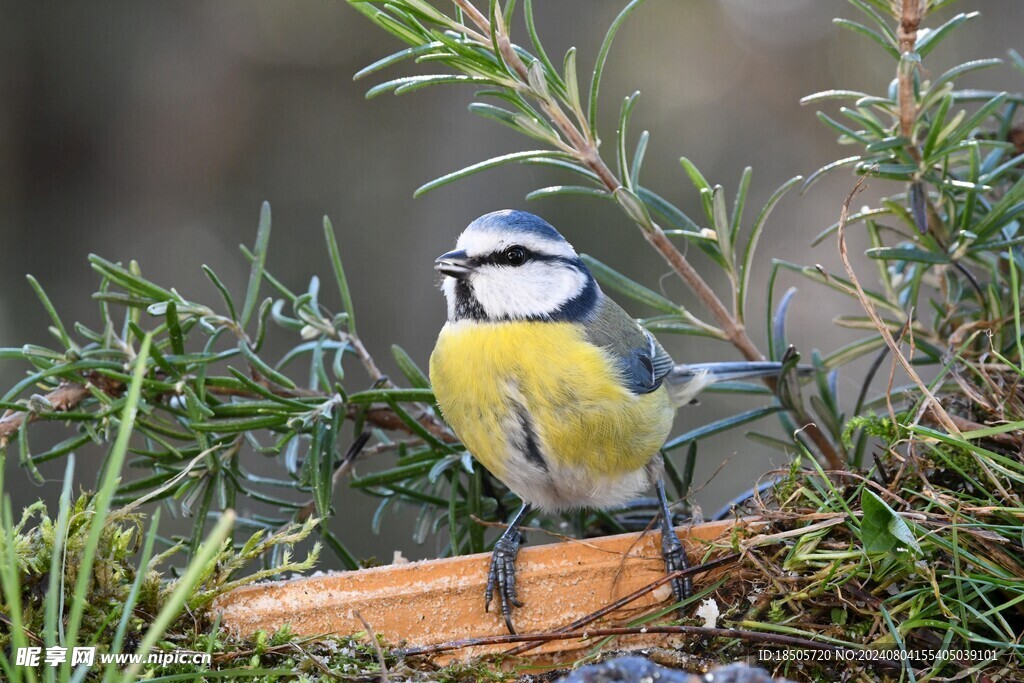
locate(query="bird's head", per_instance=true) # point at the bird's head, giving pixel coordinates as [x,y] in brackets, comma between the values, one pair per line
[512,265]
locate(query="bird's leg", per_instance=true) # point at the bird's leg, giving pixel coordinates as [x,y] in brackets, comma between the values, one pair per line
[502,575]
[672,549]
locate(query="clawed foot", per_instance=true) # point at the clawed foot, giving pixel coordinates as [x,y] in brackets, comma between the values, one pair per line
[675,560]
[503,575]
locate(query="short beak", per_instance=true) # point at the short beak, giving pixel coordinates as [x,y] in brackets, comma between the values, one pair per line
[454,263]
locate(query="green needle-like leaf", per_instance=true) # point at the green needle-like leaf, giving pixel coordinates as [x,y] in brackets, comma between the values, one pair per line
[863,30]
[621,135]
[602,58]
[568,189]
[225,295]
[417,378]
[58,326]
[719,426]
[259,251]
[623,285]
[755,236]
[930,41]
[339,274]
[535,40]
[907,253]
[516,157]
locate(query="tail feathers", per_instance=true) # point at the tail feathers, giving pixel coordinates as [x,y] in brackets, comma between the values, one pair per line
[723,372]
[684,382]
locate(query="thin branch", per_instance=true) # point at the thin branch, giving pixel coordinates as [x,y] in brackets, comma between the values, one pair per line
[70,394]
[368,363]
[63,398]
[906,32]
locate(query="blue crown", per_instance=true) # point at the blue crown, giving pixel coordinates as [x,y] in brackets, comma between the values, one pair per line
[511,220]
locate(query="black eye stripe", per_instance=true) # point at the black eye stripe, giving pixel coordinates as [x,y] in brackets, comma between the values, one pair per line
[498,259]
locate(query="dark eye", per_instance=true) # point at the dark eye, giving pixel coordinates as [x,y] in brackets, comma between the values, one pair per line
[515,256]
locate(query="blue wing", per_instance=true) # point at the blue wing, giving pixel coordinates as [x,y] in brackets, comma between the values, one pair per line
[642,360]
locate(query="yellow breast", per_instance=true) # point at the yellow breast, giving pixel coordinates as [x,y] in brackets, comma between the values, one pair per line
[584,418]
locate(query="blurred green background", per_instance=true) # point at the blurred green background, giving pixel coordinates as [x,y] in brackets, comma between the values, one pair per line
[153,130]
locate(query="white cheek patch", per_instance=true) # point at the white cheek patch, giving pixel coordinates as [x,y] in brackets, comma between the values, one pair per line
[535,289]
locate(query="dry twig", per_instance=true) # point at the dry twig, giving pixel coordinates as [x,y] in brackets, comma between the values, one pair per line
[876,319]
[636,595]
[847,654]
[376,646]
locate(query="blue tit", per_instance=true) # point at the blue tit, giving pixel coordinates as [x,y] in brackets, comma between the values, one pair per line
[551,386]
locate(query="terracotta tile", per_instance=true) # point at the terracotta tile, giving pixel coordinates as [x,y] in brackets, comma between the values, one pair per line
[437,601]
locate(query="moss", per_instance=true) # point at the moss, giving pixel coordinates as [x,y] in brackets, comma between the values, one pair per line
[115,570]
[882,428]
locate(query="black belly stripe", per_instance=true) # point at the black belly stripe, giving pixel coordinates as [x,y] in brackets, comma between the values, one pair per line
[530,447]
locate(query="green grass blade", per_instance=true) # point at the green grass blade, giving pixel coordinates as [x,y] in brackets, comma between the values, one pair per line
[54,605]
[129,603]
[10,583]
[101,503]
[198,568]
